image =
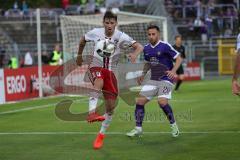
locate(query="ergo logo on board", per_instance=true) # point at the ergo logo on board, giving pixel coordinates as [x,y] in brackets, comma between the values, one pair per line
[16,84]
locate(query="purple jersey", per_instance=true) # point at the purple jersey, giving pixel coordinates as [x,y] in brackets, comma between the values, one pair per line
[162,53]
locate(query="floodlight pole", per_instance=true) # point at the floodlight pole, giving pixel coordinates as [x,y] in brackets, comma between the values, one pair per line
[39,53]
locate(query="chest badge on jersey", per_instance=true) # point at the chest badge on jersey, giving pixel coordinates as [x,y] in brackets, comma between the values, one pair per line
[159,53]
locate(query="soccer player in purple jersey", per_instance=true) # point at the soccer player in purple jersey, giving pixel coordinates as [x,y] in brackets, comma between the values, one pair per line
[159,58]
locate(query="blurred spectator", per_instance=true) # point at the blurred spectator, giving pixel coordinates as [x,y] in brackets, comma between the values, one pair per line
[177,2]
[28,60]
[13,62]
[21,61]
[90,7]
[199,6]
[175,14]
[228,32]
[2,12]
[198,22]
[190,11]
[99,3]
[15,5]
[2,56]
[229,14]
[114,3]
[65,3]
[45,58]
[56,56]
[81,8]
[204,31]
[169,6]
[188,2]
[220,21]
[83,2]
[24,8]
[190,25]
[209,24]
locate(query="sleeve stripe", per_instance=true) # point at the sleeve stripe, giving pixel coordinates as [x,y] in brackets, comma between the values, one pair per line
[177,53]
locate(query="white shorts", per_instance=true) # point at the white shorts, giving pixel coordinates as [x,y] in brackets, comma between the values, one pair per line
[162,89]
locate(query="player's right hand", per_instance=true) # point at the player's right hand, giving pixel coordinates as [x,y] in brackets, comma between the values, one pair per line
[235,87]
[171,74]
[140,80]
[79,60]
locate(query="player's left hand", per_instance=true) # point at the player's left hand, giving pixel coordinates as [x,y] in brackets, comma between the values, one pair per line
[235,87]
[171,74]
[132,57]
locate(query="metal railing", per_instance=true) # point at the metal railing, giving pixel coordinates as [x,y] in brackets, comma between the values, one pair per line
[10,46]
[50,15]
[205,8]
[210,66]
[157,8]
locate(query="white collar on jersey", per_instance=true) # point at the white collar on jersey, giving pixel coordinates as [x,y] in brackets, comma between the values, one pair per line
[155,44]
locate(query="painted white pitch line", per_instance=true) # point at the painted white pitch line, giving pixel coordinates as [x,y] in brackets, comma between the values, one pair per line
[113,133]
[27,109]
[84,100]
[32,108]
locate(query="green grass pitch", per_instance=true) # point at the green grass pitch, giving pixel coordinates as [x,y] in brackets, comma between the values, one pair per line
[206,111]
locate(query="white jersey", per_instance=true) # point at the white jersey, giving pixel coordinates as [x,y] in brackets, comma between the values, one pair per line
[238,43]
[118,38]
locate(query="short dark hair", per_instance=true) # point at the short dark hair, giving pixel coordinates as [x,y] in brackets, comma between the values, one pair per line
[152,26]
[109,15]
[178,36]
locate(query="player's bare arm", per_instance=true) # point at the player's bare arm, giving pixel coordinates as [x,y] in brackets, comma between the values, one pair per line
[146,68]
[171,74]
[235,84]
[82,44]
[138,48]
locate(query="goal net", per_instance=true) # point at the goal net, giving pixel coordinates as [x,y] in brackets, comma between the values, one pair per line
[135,25]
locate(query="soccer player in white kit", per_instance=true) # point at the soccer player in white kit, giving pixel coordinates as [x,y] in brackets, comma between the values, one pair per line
[235,83]
[102,67]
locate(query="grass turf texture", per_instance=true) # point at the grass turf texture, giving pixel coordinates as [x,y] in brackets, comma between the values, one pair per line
[206,111]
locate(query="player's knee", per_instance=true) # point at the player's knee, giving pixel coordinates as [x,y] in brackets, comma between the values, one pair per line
[110,106]
[141,100]
[98,83]
[110,110]
[162,101]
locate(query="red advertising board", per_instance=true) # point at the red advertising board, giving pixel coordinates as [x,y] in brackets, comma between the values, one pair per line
[23,83]
[192,71]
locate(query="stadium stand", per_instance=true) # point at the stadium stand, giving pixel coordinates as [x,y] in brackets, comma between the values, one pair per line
[200,22]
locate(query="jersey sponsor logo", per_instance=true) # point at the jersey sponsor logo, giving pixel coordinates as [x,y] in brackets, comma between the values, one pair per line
[154,61]
[116,41]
